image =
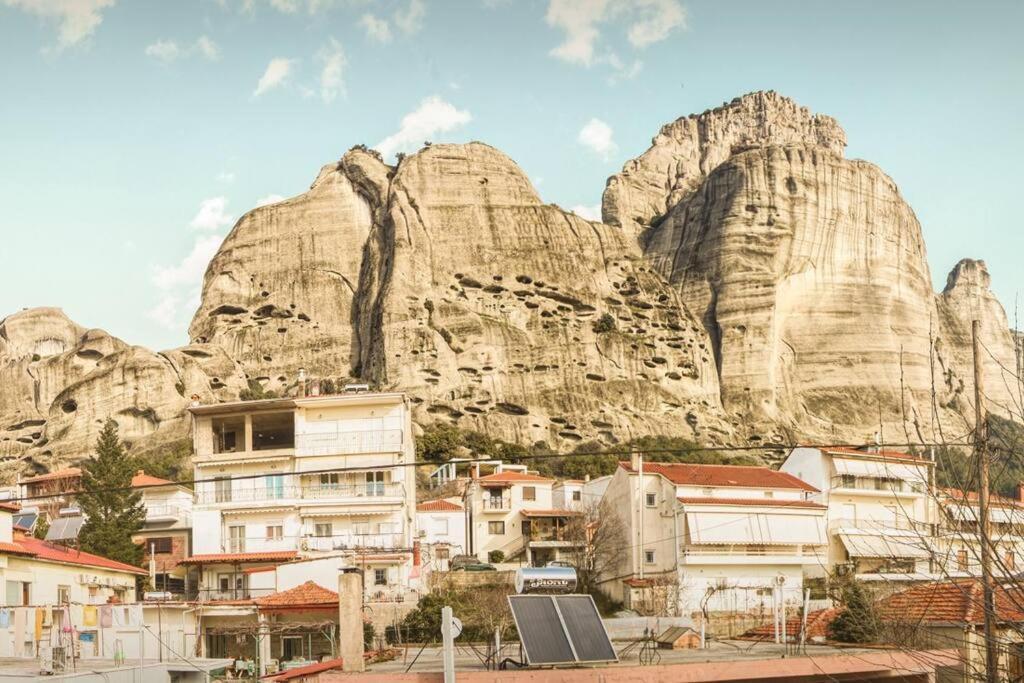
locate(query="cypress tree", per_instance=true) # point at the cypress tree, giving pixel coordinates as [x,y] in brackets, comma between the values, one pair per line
[858,622]
[113,511]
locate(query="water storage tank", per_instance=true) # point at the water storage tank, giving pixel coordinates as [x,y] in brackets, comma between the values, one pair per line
[545,580]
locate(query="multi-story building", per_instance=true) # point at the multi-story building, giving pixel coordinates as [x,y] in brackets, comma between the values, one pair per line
[166,535]
[279,479]
[52,492]
[513,513]
[959,537]
[715,536]
[880,514]
[441,529]
[568,494]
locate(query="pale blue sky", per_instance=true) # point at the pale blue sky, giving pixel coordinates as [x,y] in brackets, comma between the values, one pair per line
[122,118]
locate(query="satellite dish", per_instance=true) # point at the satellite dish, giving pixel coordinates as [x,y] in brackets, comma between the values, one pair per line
[456,627]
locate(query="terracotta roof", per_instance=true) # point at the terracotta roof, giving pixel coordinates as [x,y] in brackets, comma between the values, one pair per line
[773,502]
[440,505]
[511,478]
[300,671]
[13,549]
[307,595]
[143,479]
[818,623]
[259,570]
[957,602]
[842,450]
[959,496]
[690,474]
[549,513]
[65,473]
[49,552]
[10,507]
[219,558]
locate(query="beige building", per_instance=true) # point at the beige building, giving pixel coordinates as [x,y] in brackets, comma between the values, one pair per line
[300,477]
[958,545]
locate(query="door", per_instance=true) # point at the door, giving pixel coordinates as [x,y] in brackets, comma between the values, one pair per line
[375,483]
[275,486]
[236,539]
[222,489]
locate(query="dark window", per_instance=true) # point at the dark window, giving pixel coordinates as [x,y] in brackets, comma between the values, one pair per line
[577,495]
[529,493]
[161,546]
[496,528]
[380,577]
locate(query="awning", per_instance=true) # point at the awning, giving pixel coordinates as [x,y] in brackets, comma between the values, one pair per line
[347,512]
[756,528]
[882,469]
[885,546]
[239,461]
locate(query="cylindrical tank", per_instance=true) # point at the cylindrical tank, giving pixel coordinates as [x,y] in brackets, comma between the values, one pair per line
[545,580]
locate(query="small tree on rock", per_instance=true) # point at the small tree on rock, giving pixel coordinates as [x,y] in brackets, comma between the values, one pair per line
[113,510]
[858,622]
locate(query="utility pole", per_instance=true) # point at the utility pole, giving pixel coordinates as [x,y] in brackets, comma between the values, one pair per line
[981,458]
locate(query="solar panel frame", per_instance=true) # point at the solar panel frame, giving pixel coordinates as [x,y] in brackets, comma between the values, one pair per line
[64,529]
[561,629]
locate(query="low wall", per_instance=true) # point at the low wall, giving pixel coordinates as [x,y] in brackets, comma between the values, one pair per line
[440,581]
[632,628]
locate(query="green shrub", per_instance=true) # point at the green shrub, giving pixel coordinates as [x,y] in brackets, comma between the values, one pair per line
[606,323]
[495,556]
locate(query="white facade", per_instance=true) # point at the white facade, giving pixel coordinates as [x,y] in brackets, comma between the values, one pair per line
[305,476]
[959,538]
[568,495]
[697,535]
[441,530]
[880,514]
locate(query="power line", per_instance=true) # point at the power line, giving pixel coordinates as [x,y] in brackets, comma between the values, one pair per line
[515,459]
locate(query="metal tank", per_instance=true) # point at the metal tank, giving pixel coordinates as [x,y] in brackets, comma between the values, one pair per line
[545,580]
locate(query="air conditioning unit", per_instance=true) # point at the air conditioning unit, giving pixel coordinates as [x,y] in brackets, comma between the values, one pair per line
[422,533]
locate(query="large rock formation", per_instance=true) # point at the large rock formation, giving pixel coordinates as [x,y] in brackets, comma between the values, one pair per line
[748,283]
[60,382]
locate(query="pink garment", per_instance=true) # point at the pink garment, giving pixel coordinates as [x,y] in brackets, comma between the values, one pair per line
[106,616]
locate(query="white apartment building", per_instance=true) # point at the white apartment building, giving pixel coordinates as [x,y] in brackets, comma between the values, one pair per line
[513,513]
[280,479]
[959,535]
[723,536]
[441,530]
[880,514]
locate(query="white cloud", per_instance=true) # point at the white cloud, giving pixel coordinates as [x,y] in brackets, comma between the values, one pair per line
[332,74]
[180,284]
[649,22]
[377,29]
[411,20]
[286,6]
[431,117]
[76,19]
[164,50]
[597,136]
[226,176]
[276,74]
[269,199]
[168,51]
[212,214]
[591,213]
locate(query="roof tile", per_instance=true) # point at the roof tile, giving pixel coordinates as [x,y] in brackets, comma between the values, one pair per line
[743,476]
[309,594]
[440,505]
[41,550]
[216,558]
[773,502]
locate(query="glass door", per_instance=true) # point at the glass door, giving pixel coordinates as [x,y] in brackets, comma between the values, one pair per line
[375,483]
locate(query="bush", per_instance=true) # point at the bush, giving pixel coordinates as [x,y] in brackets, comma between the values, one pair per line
[368,635]
[495,556]
[858,622]
[606,323]
[255,392]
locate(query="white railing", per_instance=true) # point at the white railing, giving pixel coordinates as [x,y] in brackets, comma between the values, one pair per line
[879,525]
[339,492]
[178,513]
[260,545]
[364,490]
[388,594]
[497,504]
[353,542]
[755,551]
[335,443]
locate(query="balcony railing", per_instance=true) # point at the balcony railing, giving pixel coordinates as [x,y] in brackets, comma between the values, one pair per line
[353,542]
[882,486]
[388,594]
[755,550]
[215,594]
[342,443]
[320,492]
[159,513]
[495,504]
[879,526]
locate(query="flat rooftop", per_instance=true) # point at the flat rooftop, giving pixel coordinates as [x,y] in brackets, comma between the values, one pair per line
[19,667]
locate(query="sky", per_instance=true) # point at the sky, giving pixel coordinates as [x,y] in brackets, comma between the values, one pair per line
[135,133]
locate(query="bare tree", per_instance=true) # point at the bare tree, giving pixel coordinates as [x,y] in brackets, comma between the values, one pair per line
[596,534]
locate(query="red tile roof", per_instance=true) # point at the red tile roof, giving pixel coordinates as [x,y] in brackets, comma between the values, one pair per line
[440,505]
[818,623]
[511,478]
[66,473]
[143,479]
[228,558]
[10,507]
[959,602]
[550,513]
[842,450]
[49,552]
[959,496]
[308,595]
[773,502]
[13,549]
[689,474]
[301,671]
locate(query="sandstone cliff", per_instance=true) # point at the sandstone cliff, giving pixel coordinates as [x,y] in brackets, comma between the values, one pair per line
[748,284]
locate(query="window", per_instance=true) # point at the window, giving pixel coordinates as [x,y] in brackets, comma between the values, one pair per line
[17,594]
[961,560]
[651,499]
[847,481]
[529,493]
[222,489]
[361,529]
[94,592]
[63,595]
[291,648]
[577,495]
[228,434]
[375,483]
[441,553]
[231,583]
[325,530]
[648,557]
[380,577]
[275,486]
[217,645]
[161,546]
[330,480]
[496,528]
[236,539]
[275,532]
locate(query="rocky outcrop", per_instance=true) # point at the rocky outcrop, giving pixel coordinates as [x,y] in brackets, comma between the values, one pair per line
[61,382]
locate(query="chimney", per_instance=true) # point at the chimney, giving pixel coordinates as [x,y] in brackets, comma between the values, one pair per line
[416,561]
[1020,491]
[139,473]
[634,459]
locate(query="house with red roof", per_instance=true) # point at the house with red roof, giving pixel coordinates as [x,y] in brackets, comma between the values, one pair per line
[166,535]
[441,530]
[959,533]
[511,514]
[715,537]
[880,513]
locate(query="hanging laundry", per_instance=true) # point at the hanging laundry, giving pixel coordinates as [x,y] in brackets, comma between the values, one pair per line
[120,616]
[106,616]
[89,615]
[20,622]
[47,616]
[39,624]
[134,615]
[5,617]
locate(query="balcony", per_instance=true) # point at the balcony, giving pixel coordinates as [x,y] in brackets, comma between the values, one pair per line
[260,544]
[369,492]
[349,443]
[359,492]
[349,541]
[177,514]
[222,594]
[879,527]
[389,594]
[496,504]
[753,554]
[876,486]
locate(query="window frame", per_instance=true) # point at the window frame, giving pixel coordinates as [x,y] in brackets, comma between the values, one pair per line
[496,524]
[650,499]
[532,490]
[650,557]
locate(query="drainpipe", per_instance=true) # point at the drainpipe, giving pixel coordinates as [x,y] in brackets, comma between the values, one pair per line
[675,544]
[640,467]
